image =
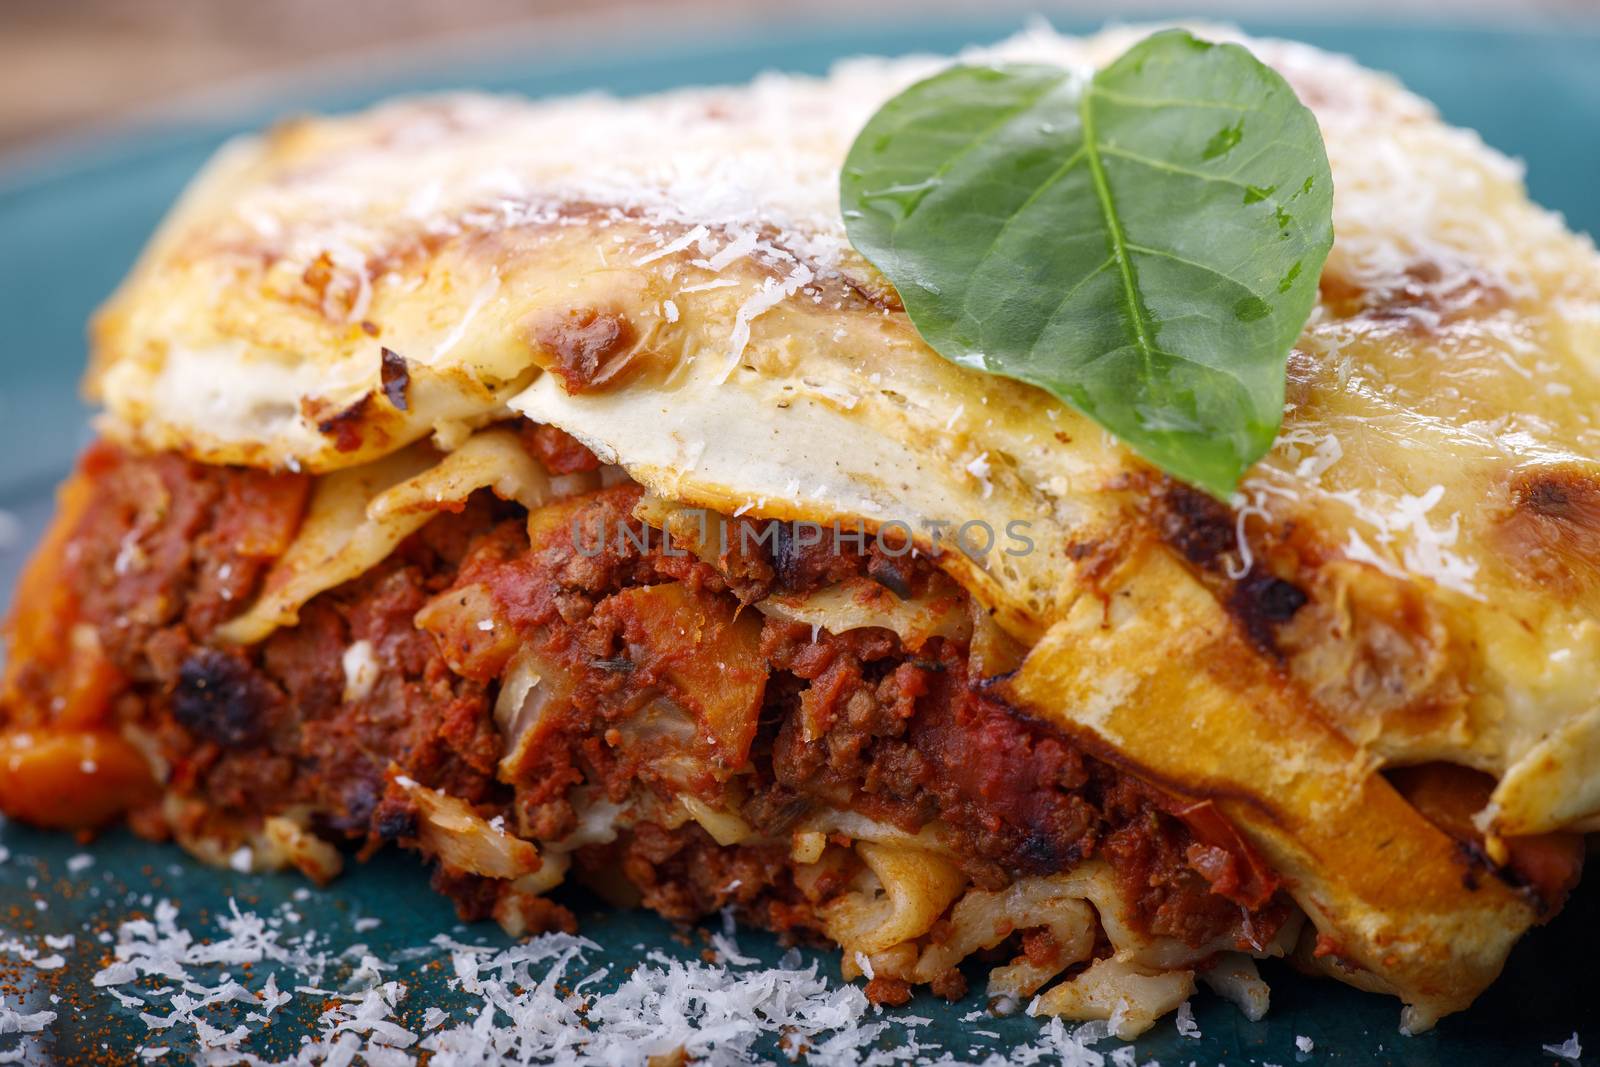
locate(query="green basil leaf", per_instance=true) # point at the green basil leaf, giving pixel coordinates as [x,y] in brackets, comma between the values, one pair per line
[1145,244]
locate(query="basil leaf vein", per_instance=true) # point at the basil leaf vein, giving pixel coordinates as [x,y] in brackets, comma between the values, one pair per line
[1144,244]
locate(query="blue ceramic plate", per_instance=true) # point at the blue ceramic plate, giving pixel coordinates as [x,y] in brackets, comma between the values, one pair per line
[72,221]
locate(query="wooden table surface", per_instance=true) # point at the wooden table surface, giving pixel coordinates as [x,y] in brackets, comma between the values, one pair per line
[68,65]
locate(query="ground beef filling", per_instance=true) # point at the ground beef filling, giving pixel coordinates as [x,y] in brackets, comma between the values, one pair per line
[848,721]
[155,564]
[786,722]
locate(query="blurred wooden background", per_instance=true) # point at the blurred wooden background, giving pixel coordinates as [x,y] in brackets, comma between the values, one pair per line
[65,63]
[69,64]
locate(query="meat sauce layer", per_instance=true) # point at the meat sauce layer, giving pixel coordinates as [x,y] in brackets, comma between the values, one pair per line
[661,677]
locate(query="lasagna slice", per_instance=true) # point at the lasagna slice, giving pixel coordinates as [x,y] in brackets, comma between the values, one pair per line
[549,488]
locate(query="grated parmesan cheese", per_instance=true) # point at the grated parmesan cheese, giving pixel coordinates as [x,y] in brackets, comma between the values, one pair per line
[697,234]
[15,1022]
[1569,1049]
[979,469]
[1424,549]
[536,1002]
[1184,1021]
[770,295]
[736,249]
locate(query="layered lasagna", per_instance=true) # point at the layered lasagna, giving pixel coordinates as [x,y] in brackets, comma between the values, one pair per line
[549,489]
